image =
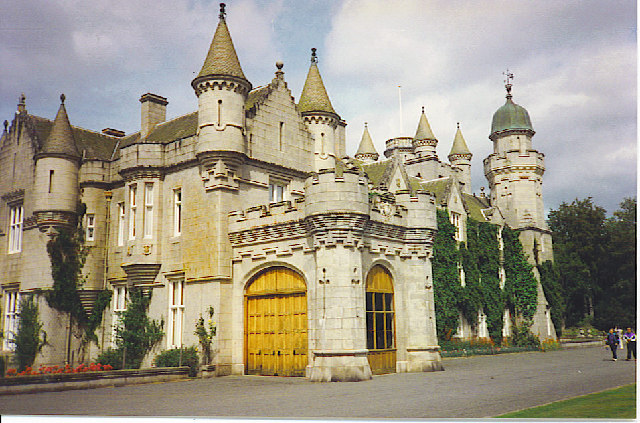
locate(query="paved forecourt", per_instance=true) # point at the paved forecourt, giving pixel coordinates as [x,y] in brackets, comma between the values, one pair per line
[475,387]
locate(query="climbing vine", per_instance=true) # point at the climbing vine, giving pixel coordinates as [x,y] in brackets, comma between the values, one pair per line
[480,260]
[550,280]
[68,254]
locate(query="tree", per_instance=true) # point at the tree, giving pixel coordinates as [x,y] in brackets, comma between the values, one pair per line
[137,334]
[579,247]
[617,304]
[30,338]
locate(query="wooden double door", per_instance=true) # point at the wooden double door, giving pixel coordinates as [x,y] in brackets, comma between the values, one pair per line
[276,324]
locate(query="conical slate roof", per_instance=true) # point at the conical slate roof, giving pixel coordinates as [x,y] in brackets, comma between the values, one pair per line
[366,144]
[459,144]
[60,139]
[424,131]
[222,58]
[314,97]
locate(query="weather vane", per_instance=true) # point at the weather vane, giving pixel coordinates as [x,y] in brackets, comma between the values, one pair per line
[507,81]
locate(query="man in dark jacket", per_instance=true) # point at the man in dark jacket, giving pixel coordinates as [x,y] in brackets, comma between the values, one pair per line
[630,339]
[612,341]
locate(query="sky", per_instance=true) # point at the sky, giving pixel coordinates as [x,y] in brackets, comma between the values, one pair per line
[574,66]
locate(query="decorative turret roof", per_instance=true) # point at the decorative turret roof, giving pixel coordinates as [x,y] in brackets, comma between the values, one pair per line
[424,131]
[366,148]
[459,146]
[510,116]
[222,59]
[61,140]
[314,97]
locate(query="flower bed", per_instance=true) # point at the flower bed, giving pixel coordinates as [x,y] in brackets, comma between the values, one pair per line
[46,370]
[88,379]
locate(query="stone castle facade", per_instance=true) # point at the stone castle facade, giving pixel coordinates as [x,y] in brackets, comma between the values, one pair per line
[316,263]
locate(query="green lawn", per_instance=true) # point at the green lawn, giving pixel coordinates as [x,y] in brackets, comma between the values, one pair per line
[618,403]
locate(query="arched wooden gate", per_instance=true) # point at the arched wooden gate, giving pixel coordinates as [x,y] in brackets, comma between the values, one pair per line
[276,323]
[380,321]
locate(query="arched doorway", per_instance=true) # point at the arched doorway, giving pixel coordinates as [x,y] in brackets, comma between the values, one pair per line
[276,323]
[380,321]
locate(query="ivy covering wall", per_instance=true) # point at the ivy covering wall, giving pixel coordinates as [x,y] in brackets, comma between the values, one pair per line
[480,259]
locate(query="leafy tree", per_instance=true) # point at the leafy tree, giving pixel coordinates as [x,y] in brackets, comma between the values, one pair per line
[617,304]
[136,334]
[30,338]
[579,244]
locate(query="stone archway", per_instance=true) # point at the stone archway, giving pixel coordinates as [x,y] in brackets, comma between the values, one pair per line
[276,323]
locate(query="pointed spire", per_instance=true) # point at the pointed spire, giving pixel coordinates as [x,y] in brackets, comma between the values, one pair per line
[424,129]
[366,149]
[314,97]
[60,140]
[459,146]
[222,58]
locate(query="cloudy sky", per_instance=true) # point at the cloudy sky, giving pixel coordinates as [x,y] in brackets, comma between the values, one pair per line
[575,67]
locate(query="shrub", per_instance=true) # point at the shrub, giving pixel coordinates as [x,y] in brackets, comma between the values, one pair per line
[522,337]
[171,358]
[30,338]
[111,357]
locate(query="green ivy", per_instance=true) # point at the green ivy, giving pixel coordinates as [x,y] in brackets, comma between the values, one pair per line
[550,280]
[446,280]
[521,284]
[480,259]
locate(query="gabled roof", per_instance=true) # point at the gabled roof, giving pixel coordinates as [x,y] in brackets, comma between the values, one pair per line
[475,206]
[376,171]
[440,187]
[90,144]
[314,97]
[222,58]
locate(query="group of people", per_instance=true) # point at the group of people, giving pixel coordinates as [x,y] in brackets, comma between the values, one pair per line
[613,340]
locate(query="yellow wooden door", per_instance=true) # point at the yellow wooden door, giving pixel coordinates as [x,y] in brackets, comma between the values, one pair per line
[276,324]
[380,321]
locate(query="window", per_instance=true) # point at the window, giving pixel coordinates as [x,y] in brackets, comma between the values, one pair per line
[502,275]
[148,210]
[177,212]
[119,305]
[11,308]
[176,312]
[15,229]
[91,227]
[132,211]
[276,193]
[455,221]
[121,219]
[463,280]
[50,181]
[280,134]
[219,113]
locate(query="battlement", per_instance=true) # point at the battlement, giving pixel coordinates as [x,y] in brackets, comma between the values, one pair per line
[329,191]
[514,159]
[267,214]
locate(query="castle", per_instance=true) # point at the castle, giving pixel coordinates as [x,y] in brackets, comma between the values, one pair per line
[317,264]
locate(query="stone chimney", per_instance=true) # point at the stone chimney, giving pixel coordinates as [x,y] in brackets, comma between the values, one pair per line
[154,111]
[113,132]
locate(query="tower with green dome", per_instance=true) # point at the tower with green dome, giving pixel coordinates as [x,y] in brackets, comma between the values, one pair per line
[515,171]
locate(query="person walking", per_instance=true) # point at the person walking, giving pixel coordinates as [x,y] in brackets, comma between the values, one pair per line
[630,339]
[612,341]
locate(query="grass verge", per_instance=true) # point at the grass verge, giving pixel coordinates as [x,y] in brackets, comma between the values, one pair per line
[617,403]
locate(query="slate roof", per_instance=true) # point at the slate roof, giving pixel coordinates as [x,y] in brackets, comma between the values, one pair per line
[314,97]
[366,143]
[222,58]
[474,206]
[424,131]
[60,139]
[459,144]
[93,145]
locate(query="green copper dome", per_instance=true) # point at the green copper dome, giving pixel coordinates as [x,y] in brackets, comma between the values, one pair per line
[511,116]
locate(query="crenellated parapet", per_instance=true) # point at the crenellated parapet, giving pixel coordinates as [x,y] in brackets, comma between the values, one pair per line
[529,161]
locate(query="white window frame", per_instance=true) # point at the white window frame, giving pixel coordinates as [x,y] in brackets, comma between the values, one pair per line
[177,212]
[148,210]
[176,314]
[502,275]
[121,222]
[463,278]
[133,190]
[16,216]
[455,221]
[119,303]
[91,227]
[277,192]
[11,314]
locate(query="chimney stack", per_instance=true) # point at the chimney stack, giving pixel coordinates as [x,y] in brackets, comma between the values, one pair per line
[154,111]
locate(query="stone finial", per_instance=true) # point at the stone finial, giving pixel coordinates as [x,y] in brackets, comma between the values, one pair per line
[6,124]
[22,107]
[62,98]
[223,14]
[279,71]
[314,57]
